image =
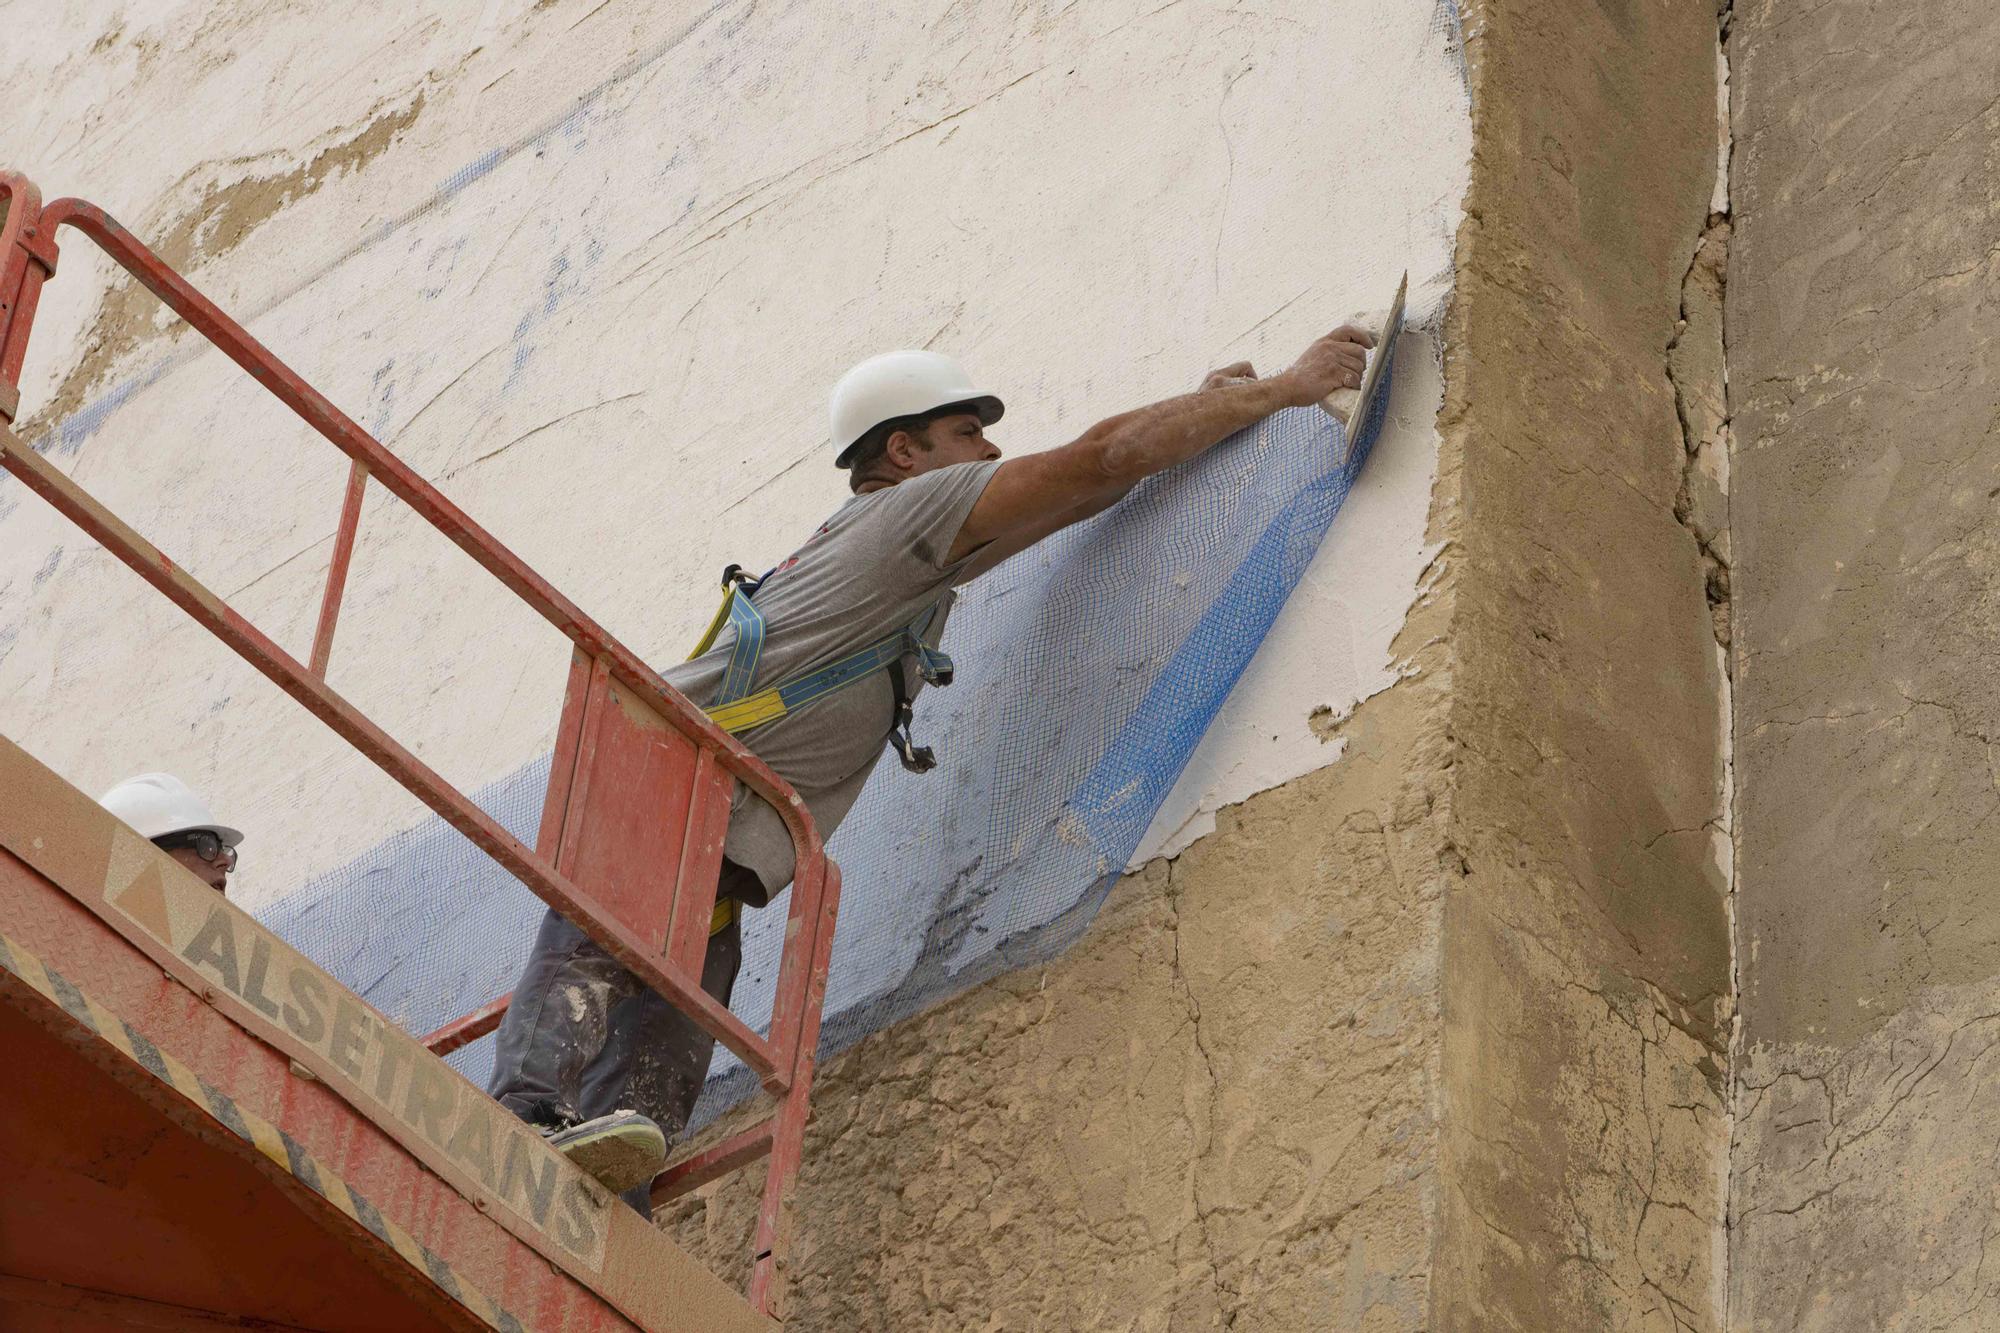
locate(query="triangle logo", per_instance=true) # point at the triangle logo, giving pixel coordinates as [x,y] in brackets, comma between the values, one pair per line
[145,902]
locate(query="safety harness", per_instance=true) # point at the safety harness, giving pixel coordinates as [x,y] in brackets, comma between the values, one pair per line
[737,710]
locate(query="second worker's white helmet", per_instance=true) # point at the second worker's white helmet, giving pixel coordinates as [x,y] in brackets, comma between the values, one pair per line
[901,384]
[157,804]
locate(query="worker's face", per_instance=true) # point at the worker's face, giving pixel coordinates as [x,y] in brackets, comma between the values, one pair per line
[214,873]
[953,439]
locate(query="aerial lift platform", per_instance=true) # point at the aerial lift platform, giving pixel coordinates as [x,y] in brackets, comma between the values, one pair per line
[200,1128]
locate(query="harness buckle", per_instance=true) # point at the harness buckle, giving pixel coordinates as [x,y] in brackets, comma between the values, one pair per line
[934,666]
[916,758]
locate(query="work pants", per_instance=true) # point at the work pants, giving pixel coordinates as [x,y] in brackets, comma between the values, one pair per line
[583,1037]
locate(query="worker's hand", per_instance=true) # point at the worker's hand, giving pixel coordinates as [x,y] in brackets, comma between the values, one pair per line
[1332,363]
[1238,372]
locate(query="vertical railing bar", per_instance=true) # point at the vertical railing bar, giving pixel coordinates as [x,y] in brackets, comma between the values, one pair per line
[691,912]
[27,258]
[809,886]
[336,573]
[788,1127]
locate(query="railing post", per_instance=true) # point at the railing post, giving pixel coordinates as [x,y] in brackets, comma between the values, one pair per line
[788,1130]
[27,259]
[336,573]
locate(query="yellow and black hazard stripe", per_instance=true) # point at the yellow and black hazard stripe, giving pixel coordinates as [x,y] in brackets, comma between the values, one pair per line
[253,1129]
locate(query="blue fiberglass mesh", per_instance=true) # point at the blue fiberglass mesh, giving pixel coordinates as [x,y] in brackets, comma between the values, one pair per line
[1088,670]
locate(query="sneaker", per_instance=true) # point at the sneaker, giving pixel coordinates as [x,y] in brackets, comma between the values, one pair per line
[619,1150]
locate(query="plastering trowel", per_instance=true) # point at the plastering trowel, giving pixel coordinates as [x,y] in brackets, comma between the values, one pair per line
[1350,407]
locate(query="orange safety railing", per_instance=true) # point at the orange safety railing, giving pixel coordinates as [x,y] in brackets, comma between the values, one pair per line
[640,785]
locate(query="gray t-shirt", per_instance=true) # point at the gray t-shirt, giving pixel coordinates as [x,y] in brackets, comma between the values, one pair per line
[870,570]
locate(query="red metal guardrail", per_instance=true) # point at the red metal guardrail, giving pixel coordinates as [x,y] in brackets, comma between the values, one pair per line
[643,889]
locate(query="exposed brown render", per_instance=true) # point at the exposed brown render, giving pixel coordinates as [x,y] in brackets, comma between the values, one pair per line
[1862,342]
[1562,1127]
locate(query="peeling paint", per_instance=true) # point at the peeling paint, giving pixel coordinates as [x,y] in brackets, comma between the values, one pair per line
[196,234]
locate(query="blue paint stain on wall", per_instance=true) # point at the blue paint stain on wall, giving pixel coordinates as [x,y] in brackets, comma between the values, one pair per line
[564,279]
[440,264]
[381,398]
[50,565]
[87,420]
[475,170]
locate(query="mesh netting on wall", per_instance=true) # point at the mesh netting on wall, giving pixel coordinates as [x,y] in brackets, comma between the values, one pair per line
[1088,670]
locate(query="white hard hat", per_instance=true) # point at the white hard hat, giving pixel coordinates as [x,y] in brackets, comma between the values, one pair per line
[901,384]
[156,804]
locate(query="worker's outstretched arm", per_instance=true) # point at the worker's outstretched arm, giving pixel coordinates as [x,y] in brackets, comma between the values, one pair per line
[1029,498]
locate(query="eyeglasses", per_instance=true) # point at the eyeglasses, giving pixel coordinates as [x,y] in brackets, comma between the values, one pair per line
[206,845]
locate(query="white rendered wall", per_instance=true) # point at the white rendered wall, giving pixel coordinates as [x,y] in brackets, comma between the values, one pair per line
[591,268]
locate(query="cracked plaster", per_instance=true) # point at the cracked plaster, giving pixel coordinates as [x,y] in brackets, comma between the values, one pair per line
[1586,938]
[1218,1110]
[1439,1036]
[1862,354]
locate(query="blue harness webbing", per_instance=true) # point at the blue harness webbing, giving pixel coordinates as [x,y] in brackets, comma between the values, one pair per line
[736,709]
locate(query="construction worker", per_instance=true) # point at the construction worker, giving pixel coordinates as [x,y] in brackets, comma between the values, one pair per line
[162,808]
[596,1059]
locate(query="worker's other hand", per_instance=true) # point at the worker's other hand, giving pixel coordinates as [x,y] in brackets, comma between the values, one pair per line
[1332,363]
[1239,372]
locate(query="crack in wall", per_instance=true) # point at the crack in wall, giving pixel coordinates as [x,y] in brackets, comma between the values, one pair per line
[1058,1148]
[1226,1298]
[1697,370]
[1708,273]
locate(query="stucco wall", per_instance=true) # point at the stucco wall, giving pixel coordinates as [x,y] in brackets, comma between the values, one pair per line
[1586,946]
[1218,1110]
[591,269]
[1438,1034]
[1578,835]
[1862,345]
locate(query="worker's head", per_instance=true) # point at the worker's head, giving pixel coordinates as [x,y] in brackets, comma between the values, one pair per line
[162,808]
[901,414]
[905,447]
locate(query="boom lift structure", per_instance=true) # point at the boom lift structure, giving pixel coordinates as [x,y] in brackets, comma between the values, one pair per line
[639,792]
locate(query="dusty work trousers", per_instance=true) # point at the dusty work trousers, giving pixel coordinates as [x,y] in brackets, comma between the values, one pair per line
[584,1037]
